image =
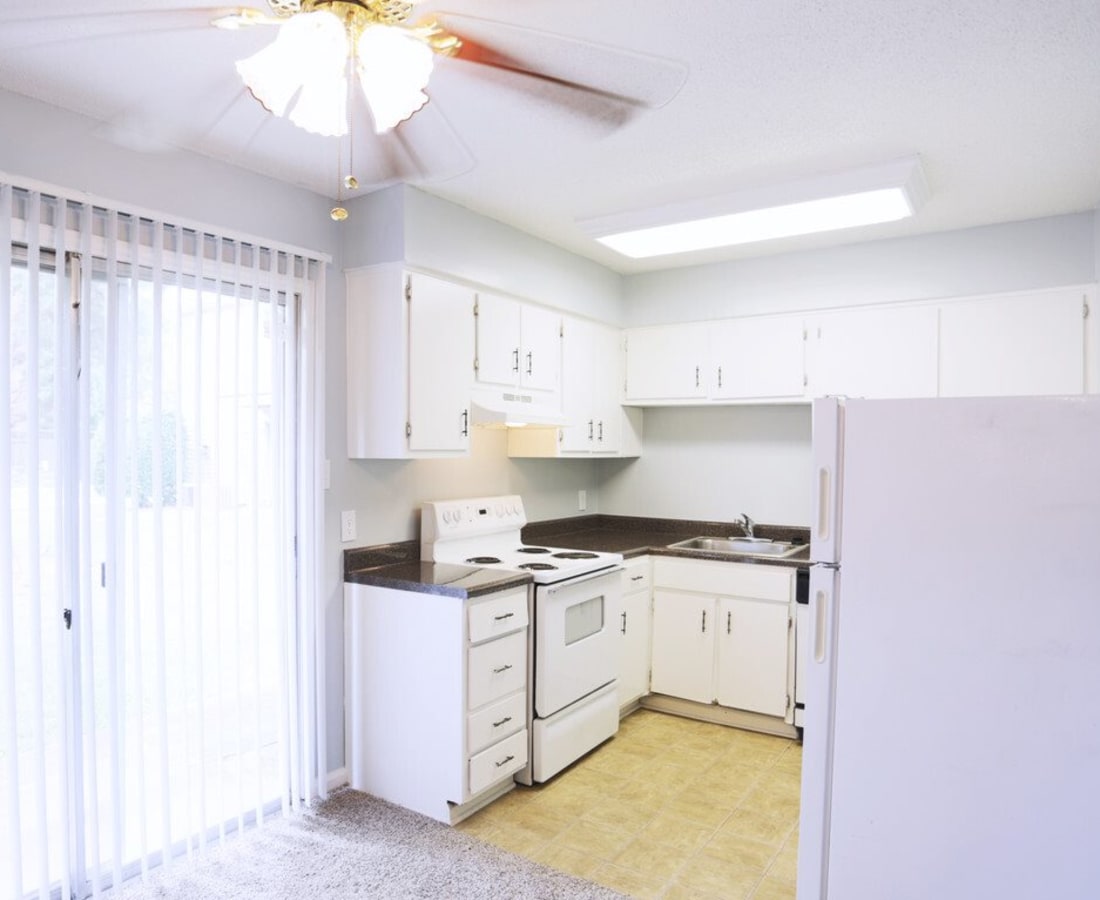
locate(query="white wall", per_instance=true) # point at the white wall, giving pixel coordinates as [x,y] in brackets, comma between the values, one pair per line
[715,463]
[1037,253]
[757,459]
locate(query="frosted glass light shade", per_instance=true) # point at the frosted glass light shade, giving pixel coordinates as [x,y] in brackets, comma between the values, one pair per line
[883,193]
[394,67]
[307,60]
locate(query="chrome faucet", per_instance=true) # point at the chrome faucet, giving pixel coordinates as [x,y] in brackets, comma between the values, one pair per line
[747,524]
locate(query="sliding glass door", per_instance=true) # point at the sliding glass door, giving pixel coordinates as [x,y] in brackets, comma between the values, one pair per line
[153,672]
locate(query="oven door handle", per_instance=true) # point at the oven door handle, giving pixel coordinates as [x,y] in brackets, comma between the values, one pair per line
[581,579]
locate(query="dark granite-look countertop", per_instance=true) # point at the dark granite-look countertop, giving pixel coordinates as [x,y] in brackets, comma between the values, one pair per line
[399,565]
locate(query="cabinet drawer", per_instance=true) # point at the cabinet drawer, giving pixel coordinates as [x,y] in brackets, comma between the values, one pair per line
[497,615]
[496,668]
[496,721]
[637,575]
[500,761]
[706,576]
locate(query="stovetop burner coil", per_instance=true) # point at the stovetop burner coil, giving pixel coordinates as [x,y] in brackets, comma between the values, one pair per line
[483,560]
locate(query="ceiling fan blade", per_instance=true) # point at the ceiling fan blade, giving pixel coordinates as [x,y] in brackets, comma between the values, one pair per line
[632,79]
[32,31]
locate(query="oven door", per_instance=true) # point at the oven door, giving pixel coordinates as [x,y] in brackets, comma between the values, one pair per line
[575,650]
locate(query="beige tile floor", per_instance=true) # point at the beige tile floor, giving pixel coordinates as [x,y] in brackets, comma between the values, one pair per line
[669,808]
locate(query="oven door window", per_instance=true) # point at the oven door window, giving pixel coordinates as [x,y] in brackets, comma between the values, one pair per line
[584,619]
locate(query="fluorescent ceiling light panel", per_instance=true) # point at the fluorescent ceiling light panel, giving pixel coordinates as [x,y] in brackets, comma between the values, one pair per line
[883,193]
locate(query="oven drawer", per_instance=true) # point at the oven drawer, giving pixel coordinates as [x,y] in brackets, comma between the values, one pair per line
[502,760]
[496,668]
[497,615]
[495,722]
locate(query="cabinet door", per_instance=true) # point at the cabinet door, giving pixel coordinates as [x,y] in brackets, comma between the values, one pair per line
[683,645]
[604,390]
[498,350]
[752,655]
[666,362]
[887,352]
[540,348]
[579,380]
[1029,344]
[759,357]
[634,652]
[441,342]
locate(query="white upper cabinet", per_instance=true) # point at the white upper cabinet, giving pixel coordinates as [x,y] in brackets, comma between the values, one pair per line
[872,352]
[596,421]
[518,344]
[410,352]
[1024,344]
[760,357]
[667,362]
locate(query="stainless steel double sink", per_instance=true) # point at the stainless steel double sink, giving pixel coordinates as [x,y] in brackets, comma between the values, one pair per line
[740,546]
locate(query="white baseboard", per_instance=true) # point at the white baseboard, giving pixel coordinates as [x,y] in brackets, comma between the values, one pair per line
[337,778]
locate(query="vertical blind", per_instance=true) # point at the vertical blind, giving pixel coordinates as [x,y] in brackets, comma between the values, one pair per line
[160,529]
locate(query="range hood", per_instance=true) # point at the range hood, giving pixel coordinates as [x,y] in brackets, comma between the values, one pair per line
[513,408]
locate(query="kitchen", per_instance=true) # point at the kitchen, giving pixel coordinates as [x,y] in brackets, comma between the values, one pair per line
[753,458]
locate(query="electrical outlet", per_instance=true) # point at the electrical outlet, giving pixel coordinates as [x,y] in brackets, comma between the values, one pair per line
[582,500]
[348,531]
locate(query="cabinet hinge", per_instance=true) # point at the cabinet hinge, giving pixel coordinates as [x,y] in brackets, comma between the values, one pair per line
[1084,308]
[561,330]
[476,309]
[805,380]
[67,615]
[788,702]
[408,290]
[476,363]
[790,623]
[805,335]
[408,429]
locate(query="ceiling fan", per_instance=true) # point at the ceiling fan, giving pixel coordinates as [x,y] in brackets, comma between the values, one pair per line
[331,63]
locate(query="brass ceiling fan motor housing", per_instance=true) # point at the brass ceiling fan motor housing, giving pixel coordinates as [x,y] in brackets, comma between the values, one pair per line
[362,12]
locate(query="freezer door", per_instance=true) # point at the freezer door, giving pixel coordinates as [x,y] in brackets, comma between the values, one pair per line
[828,438]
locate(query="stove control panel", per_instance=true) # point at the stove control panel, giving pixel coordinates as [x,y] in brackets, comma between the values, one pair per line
[454,519]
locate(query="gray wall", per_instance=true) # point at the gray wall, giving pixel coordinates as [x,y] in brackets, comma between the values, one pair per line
[697,463]
[706,462]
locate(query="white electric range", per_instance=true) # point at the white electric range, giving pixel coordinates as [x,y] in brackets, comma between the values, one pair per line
[574,601]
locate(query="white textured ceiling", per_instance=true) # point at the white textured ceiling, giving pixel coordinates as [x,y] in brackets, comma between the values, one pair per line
[999,98]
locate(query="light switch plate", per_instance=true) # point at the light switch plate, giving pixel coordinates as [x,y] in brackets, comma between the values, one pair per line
[348,530]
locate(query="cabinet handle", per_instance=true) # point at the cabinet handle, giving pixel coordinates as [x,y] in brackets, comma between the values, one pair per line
[600,438]
[529,362]
[697,376]
[637,577]
[590,429]
[505,761]
[719,376]
[505,616]
[729,623]
[502,669]
[465,423]
[624,622]
[515,360]
[502,721]
[704,621]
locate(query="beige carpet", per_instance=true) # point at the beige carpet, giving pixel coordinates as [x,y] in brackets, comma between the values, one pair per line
[354,845]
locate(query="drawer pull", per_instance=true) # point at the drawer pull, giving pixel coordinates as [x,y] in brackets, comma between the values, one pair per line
[637,577]
[502,721]
[502,669]
[505,616]
[505,761]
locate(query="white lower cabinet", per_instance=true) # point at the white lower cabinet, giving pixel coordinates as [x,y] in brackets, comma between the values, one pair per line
[437,697]
[722,633]
[634,631]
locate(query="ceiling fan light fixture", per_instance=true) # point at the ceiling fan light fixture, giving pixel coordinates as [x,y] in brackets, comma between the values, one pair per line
[307,61]
[878,194]
[394,66]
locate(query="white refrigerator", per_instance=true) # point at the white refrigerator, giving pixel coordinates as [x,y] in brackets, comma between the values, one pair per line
[952,729]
